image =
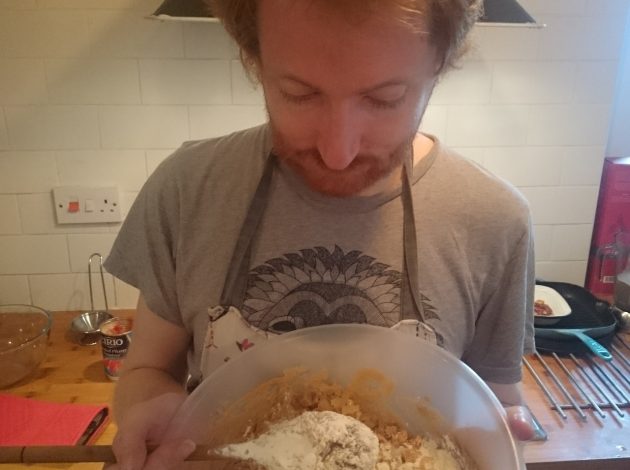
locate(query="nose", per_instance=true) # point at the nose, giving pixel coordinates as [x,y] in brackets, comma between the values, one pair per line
[339,137]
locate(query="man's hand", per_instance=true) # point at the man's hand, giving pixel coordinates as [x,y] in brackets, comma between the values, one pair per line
[144,424]
[149,392]
[518,416]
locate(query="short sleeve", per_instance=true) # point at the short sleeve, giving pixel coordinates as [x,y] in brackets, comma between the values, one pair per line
[144,252]
[504,330]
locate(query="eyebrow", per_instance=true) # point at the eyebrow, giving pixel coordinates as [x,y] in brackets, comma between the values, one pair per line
[379,86]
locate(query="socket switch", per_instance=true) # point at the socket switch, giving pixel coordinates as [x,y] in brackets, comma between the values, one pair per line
[84,205]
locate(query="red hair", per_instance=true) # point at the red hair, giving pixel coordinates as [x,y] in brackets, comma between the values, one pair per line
[447,22]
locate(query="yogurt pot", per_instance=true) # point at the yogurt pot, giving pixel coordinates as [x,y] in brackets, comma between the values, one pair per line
[115,341]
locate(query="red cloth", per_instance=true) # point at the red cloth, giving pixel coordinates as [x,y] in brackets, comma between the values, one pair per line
[25,421]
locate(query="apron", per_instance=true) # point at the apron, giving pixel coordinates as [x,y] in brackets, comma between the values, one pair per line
[229,334]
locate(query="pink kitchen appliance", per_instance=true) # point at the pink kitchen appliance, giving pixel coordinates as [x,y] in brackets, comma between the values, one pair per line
[608,268]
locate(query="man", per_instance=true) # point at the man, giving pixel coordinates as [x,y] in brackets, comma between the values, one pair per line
[336,211]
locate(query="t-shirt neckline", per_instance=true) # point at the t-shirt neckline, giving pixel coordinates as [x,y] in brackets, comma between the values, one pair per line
[357,203]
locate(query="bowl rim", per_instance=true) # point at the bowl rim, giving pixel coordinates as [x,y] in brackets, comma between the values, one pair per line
[76,319]
[44,331]
[179,426]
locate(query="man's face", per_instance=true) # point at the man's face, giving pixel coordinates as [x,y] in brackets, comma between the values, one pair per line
[344,98]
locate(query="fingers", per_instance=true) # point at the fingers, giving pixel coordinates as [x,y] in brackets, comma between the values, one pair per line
[146,423]
[521,422]
[130,451]
[170,456]
[167,456]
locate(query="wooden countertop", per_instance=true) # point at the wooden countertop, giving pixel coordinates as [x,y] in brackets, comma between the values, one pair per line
[74,374]
[574,443]
[70,374]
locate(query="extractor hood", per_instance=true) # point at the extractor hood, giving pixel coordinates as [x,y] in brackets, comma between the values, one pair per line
[496,12]
[184,10]
[505,12]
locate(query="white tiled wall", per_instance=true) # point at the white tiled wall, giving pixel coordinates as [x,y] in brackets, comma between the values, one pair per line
[100,95]
[619,141]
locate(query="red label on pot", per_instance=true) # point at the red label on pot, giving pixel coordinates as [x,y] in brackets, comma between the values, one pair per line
[115,340]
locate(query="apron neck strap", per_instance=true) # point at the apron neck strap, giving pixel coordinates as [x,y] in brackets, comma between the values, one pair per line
[411,306]
[235,284]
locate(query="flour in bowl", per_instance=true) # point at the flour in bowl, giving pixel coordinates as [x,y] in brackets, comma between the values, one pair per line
[317,440]
[288,405]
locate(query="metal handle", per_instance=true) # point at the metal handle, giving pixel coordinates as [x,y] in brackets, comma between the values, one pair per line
[102,279]
[597,387]
[562,388]
[578,387]
[545,389]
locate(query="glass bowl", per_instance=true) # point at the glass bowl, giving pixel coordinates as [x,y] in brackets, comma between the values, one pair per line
[422,374]
[24,331]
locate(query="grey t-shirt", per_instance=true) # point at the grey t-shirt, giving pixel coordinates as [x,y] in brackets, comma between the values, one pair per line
[319,259]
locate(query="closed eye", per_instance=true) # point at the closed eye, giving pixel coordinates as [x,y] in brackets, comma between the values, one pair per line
[384,104]
[386,96]
[298,98]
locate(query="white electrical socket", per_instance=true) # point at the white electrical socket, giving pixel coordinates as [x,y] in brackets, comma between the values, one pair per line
[84,205]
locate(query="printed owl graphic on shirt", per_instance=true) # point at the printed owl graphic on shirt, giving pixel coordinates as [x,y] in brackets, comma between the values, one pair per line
[318,287]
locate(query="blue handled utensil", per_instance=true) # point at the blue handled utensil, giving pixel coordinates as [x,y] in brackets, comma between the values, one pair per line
[579,333]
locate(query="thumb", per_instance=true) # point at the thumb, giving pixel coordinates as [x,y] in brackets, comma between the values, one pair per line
[521,422]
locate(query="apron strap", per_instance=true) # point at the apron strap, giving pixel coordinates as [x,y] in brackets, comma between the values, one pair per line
[235,284]
[410,302]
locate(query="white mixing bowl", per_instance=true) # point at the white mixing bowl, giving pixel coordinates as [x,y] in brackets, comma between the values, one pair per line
[420,371]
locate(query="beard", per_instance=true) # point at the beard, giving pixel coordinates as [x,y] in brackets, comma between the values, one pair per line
[364,171]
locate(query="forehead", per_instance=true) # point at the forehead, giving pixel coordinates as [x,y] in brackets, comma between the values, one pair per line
[305,37]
